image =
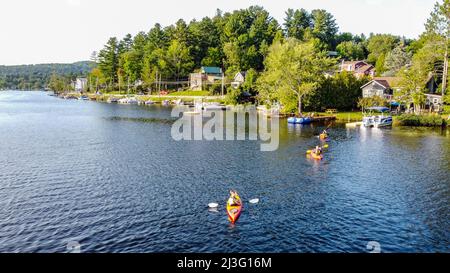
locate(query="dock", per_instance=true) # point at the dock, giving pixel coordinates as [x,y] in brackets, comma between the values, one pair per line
[323,118]
[353,124]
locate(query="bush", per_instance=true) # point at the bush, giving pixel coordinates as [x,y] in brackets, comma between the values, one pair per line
[341,92]
[421,120]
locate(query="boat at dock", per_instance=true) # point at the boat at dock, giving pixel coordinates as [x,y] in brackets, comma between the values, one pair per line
[295,120]
[112,100]
[376,117]
[128,101]
[210,106]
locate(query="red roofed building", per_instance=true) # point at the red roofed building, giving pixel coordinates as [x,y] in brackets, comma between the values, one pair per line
[358,68]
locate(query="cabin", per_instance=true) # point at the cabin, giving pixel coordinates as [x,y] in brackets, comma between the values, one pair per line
[358,68]
[384,87]
[207,75]
[381,87]
[434,99]
[80,84]
[238,79]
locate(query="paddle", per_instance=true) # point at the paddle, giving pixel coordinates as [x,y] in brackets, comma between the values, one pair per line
[216,205]
[213,205]
[326,129]
[324,147]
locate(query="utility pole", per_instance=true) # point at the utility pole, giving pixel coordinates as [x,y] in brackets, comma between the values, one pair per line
[223,79]
[445,70]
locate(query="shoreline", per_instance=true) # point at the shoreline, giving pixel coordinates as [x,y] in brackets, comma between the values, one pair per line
[340,117]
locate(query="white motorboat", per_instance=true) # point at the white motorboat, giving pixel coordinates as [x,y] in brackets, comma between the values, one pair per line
[377,117]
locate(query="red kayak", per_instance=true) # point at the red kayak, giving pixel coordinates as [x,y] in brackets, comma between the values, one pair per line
[234,211]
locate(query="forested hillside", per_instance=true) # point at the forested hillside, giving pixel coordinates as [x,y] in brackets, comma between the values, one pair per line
[36,77]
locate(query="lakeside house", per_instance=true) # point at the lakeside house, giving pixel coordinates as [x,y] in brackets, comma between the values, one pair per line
[207,75]
[358,68]
[385,86]
[380,86]
[80,84]
[434,100]
[238,79]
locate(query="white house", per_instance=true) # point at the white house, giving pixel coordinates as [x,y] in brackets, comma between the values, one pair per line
[239,79]
[80,84]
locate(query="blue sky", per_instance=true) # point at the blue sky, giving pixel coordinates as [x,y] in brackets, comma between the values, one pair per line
[69,30]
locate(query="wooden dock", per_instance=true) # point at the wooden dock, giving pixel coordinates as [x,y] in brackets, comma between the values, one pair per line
[323,118]
[353,124]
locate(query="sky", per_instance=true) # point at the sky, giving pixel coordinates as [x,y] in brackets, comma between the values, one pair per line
[65,31]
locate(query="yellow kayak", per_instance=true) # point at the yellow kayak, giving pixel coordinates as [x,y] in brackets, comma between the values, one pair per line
[234,211]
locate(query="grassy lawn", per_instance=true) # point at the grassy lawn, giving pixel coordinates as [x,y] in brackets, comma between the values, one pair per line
[189,93]
[344,116]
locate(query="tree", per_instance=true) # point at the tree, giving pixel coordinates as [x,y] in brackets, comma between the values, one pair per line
[58,83]
[341,91]
[379,46]
[177,60]
[350,50]
[296,23]
[367,102]
[324,27]
[246,34]
[397,59]
[205,42]
[439,24]
[109,60]
[293,71]
[411,88]
[96,78]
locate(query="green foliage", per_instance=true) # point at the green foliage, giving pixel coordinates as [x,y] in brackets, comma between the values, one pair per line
[297,23]
[379,46]
[178,61]
[215,88]
[397,59]
[411,87]
[249,84]
[109,60]
[351,50]
[364,103]
[59,83]
[37,77]
[324,27]
[234,96]
[341,92]
[293,71]
[429,120]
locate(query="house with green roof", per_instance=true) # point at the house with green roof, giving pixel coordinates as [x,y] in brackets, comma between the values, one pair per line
[207,75]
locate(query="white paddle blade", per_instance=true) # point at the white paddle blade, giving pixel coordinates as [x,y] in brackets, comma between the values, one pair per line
[213,205]
[254,201]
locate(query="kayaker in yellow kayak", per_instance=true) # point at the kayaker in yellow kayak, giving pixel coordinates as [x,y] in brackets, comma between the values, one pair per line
[324,134]
[317,150]
[234,199]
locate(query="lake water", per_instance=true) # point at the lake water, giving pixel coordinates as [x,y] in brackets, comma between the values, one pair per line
[111,178]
